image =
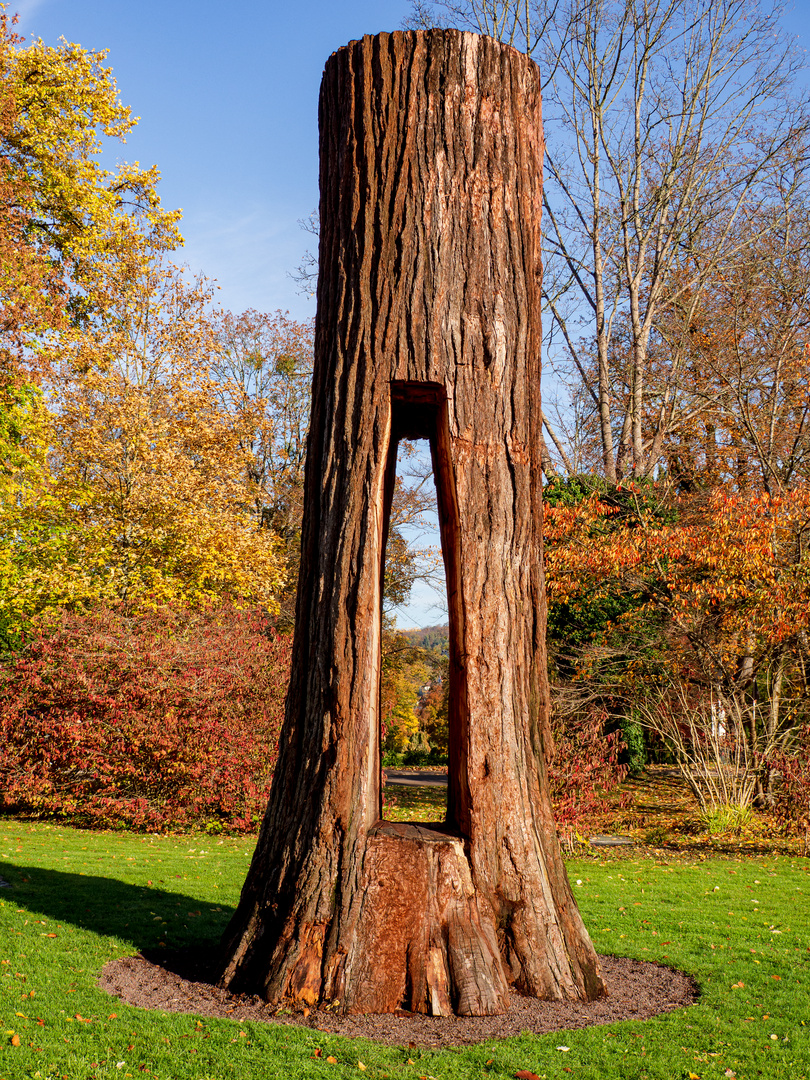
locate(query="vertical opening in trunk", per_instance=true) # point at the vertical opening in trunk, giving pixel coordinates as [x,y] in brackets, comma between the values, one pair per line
[419,412]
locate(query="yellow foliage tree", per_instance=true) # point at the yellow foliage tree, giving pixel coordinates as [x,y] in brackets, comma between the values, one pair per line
[24,499]
[58,106]
[404,670]
[148,470]
[122,476]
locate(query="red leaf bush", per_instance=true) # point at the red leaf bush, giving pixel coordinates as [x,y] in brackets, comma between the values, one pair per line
[162,721]
[585,766]
[787,778]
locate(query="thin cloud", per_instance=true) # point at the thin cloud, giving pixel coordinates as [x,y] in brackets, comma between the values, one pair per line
[26,9]
[250,254]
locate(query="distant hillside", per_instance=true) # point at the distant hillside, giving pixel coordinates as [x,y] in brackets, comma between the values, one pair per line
[434,638]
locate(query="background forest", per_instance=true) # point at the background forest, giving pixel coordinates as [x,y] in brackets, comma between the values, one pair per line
[152,445]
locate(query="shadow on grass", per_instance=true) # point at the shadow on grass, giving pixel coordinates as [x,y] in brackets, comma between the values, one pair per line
[151,918]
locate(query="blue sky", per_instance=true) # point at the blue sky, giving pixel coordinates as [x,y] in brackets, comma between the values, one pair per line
[228,100]
[228,96]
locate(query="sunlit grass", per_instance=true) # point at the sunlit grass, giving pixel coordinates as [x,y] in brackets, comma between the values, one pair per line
[79,899]
[657,810]
[415,803]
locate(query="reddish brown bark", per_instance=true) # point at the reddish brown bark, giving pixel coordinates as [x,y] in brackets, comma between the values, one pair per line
[428,324]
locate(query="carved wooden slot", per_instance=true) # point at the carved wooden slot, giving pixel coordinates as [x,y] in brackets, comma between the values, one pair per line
[419,411]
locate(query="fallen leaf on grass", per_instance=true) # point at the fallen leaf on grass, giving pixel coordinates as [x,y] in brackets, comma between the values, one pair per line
[564,1049]
[738,986]
[15,1040]
[318,1052]
[693,1076]
[360,1065]
[332,1060]
[525,1074]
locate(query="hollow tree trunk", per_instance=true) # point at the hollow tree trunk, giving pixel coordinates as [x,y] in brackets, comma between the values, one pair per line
[428,325]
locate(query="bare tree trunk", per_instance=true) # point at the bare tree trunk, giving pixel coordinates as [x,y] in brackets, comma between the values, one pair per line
[428,325]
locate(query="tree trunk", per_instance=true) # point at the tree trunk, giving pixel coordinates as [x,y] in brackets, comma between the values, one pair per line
[428,325]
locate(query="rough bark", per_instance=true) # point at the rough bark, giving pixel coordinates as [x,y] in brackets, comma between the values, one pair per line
[428,324]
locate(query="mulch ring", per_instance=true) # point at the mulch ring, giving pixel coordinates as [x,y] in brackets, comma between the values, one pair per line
[180,982]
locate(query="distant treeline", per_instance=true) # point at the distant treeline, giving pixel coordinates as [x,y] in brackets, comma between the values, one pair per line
[433,638]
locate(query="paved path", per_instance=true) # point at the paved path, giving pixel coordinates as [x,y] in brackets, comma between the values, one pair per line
[423,778]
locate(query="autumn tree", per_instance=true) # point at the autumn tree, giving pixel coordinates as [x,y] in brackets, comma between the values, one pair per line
[148,468]
[24,495]
[134,488]
[124,478]
[663,122]
[32,311]
[262,371]
[31,292]
[403,670]
[743,355]
[59,106]
[686,610]
[433,707]
[263,368]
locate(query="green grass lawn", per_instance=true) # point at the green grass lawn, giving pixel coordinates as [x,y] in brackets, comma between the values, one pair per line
[418,803]
[78,899]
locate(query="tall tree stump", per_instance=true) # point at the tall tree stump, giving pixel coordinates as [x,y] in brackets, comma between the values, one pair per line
[428,325]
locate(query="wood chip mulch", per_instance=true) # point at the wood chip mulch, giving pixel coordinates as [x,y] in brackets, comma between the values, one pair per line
[177,982]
